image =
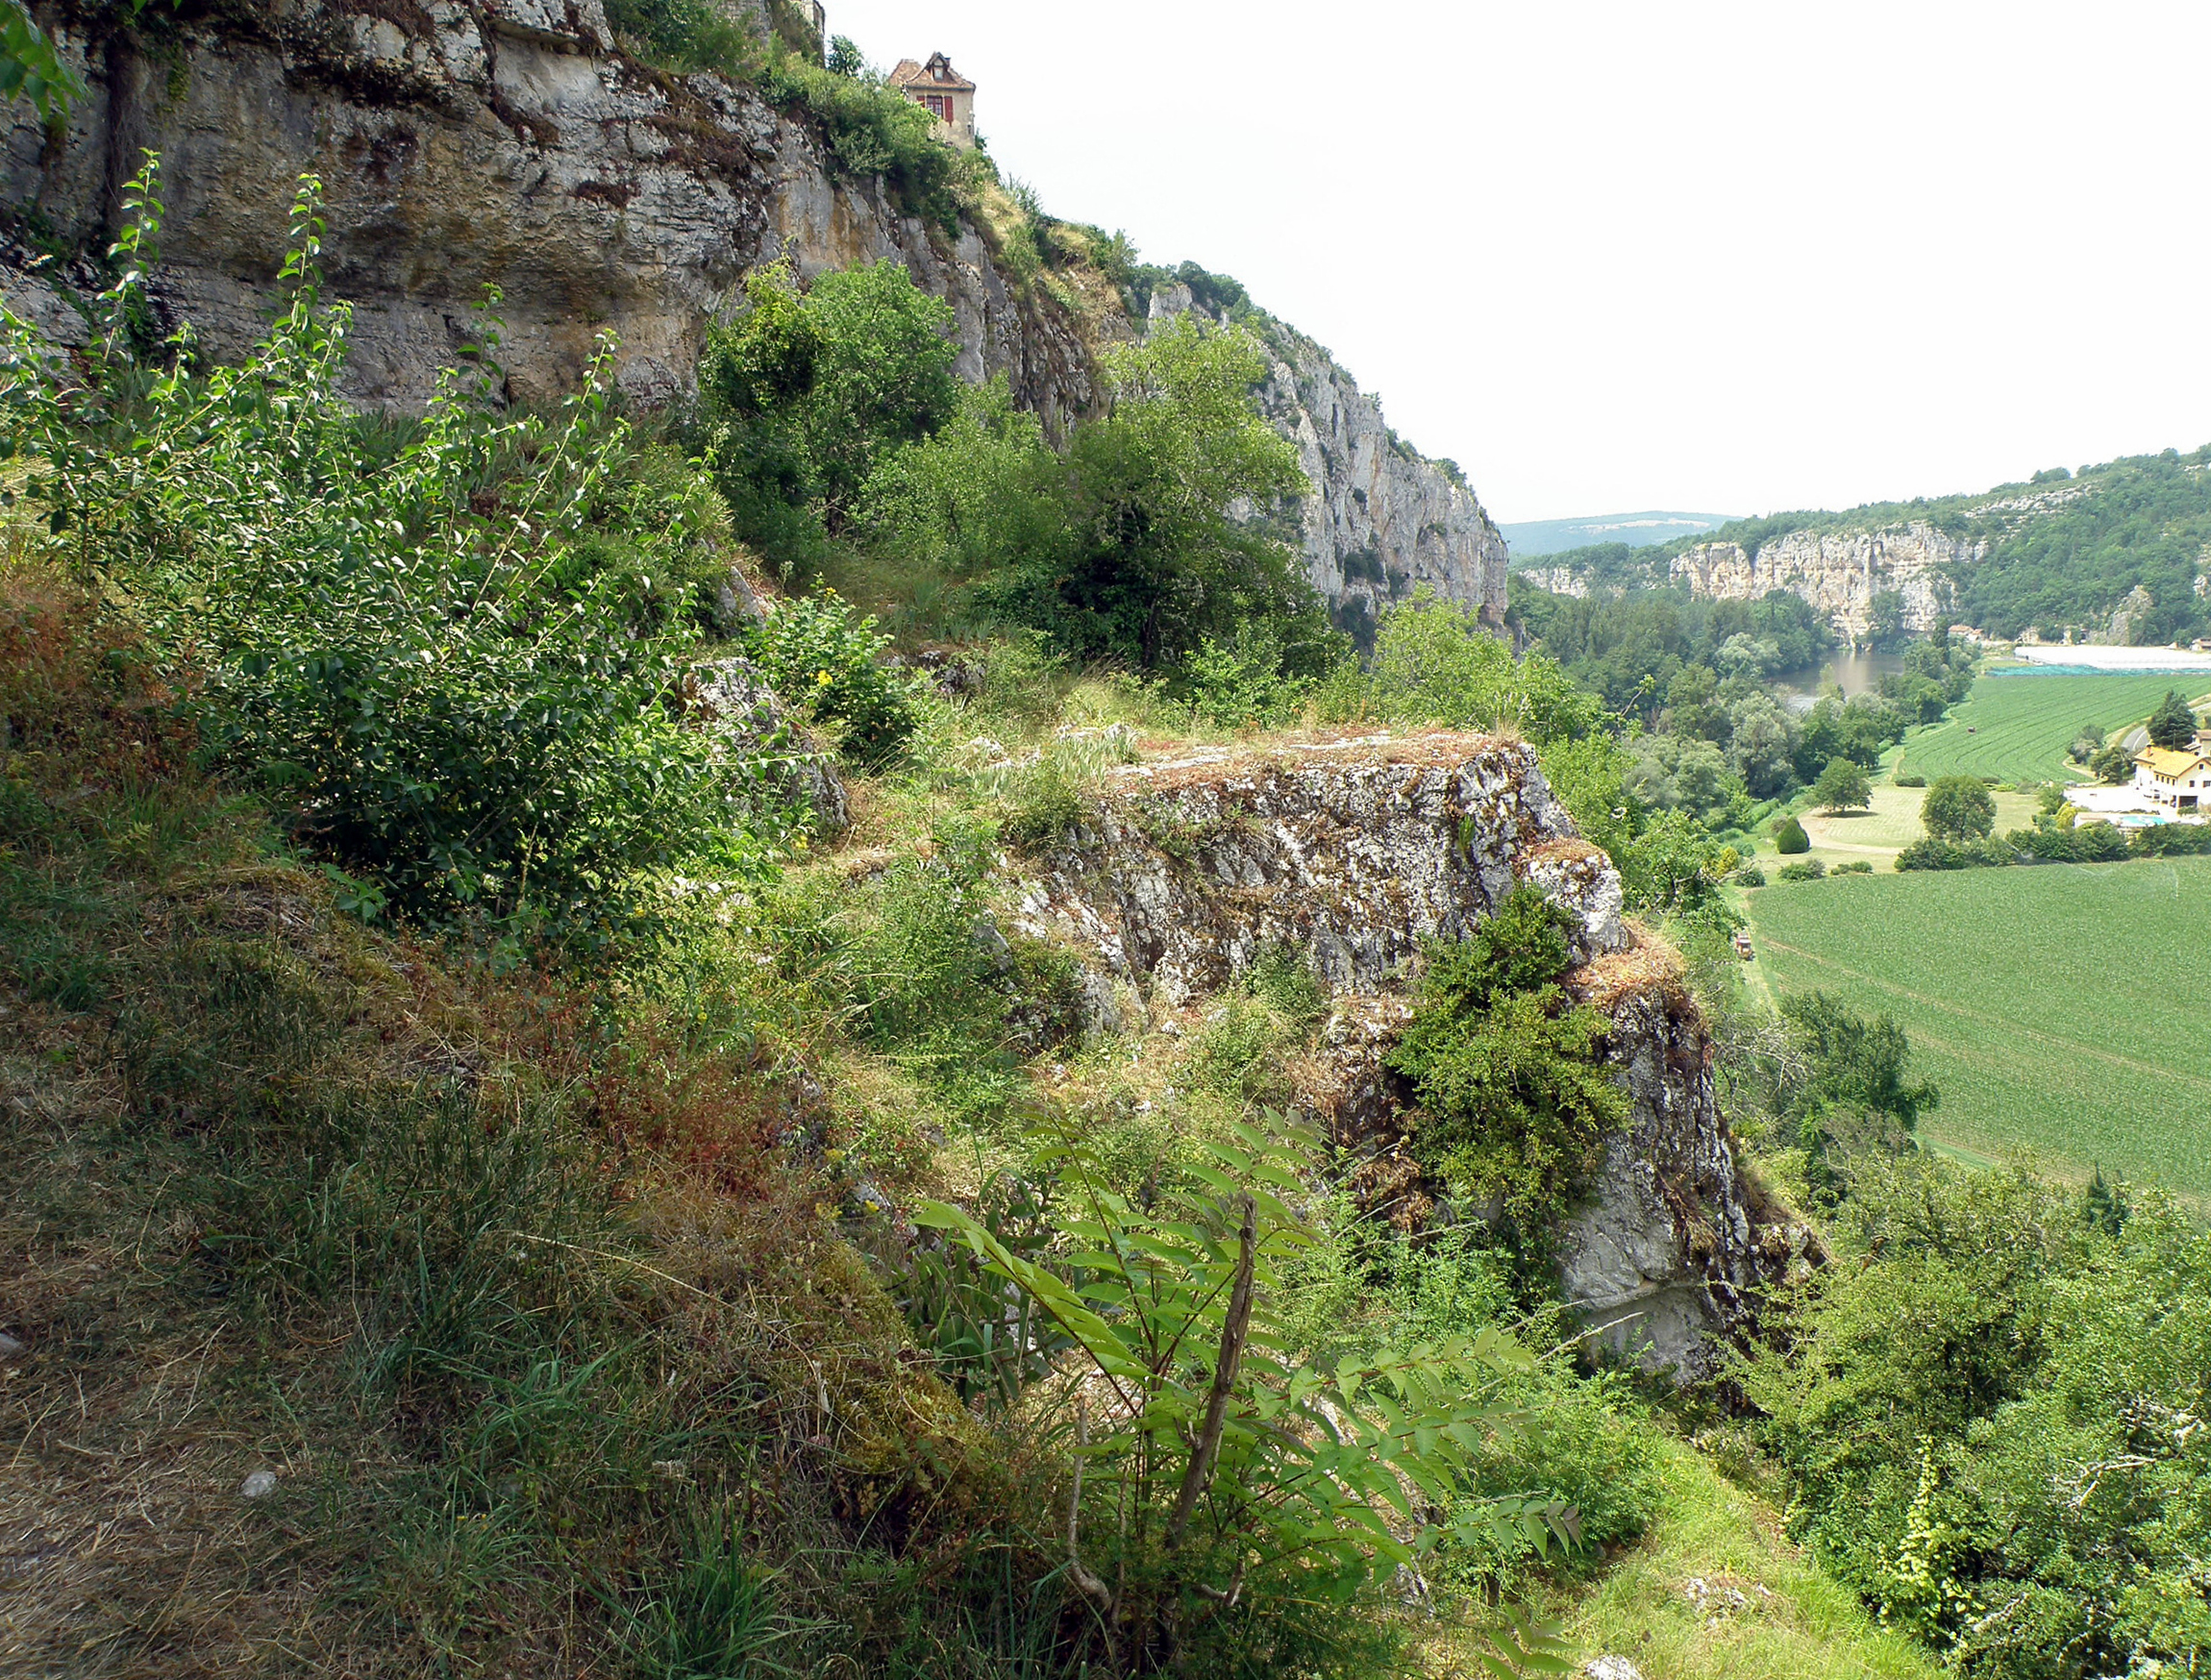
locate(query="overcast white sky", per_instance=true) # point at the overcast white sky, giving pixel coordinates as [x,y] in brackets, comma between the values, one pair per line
[1622,253]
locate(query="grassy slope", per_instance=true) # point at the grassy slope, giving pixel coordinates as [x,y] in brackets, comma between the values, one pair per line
[1876,835]
[2016,729]
[1713,1540]
[2058,1008]
[1796,1622]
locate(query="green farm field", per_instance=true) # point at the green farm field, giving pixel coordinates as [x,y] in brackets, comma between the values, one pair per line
[2059,1008]
[2016,729]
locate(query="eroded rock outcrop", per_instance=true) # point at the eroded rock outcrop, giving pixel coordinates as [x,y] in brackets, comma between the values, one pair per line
[1838,572]
[1381,520]
[1351,851]
[471,143]
[466,144]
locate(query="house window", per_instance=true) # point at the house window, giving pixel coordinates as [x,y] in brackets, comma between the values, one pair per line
[940,107]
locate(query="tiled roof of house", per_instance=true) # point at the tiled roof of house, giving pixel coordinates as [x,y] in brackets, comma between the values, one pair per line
[947,81]
[2170,761]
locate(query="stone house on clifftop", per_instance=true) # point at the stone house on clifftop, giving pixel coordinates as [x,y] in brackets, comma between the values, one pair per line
[948,96]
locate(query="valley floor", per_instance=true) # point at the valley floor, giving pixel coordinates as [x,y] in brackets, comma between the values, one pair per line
[2058,1008]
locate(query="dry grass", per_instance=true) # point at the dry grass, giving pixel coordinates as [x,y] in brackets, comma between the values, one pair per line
[506,1288]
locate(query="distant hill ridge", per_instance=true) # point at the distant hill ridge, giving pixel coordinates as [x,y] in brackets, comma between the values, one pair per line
[1550,537]
[2118,554]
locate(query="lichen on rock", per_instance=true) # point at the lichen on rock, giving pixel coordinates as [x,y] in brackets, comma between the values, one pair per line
[1351,851]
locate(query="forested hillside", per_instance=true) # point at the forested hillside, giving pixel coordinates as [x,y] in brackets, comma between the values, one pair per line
[2061,551]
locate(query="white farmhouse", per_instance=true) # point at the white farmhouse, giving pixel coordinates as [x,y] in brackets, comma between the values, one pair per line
[2175,779]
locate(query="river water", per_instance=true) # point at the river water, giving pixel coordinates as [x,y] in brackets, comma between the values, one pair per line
[1852,672]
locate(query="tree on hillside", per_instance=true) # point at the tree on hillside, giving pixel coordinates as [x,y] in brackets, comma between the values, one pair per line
[801,398]
[2171,724]
[1790,837]
[1844,785]
[1958,807]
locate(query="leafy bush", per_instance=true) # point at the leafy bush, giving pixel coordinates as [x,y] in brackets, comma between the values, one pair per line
[1790,837]
[1934,853]
[1749,876]
[806,394]
[1860,867]
[1914,780]
[1147,552]
[826,658]
[1989,1404]
[1516,1101]
[1224,1482]
[1810,869]
[1435,663]
[468,708]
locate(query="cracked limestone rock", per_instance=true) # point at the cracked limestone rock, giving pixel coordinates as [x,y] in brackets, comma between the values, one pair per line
[1349,852]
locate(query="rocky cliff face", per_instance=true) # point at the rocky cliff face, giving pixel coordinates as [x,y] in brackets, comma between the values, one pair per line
[473,144]
[467,143]
[1353,850]
[1381,520]
[1839,572]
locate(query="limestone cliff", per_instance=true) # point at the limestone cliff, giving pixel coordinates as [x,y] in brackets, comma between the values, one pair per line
[1349,852]
[473,144]
[466,143]
[1839,572]
[1381,520]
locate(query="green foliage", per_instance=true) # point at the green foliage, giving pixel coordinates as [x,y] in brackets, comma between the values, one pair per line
[1958,807]
[873,130]
[1987,1416]
[468,709]
[2174,723]
[30,67]
[1809,868]
[823,657]
[1790,837]
[686,34]
[1843,786]
[1516,1101]
[1435,663]
[1632,648]
[1225,1480]
[1150,556]
[1246,682]
[1935,853]
[803,396]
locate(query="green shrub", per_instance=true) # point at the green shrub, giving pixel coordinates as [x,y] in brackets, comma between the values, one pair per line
[827,659]
[1960,1414]
[1904,780]
[1232,1473]
[1810,869]
[1790,837]
[1934,854]
[873,130]
[803,396]
[1434,663]
[1860,867]
[469,709]
[1516,1101]
[1749,876]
